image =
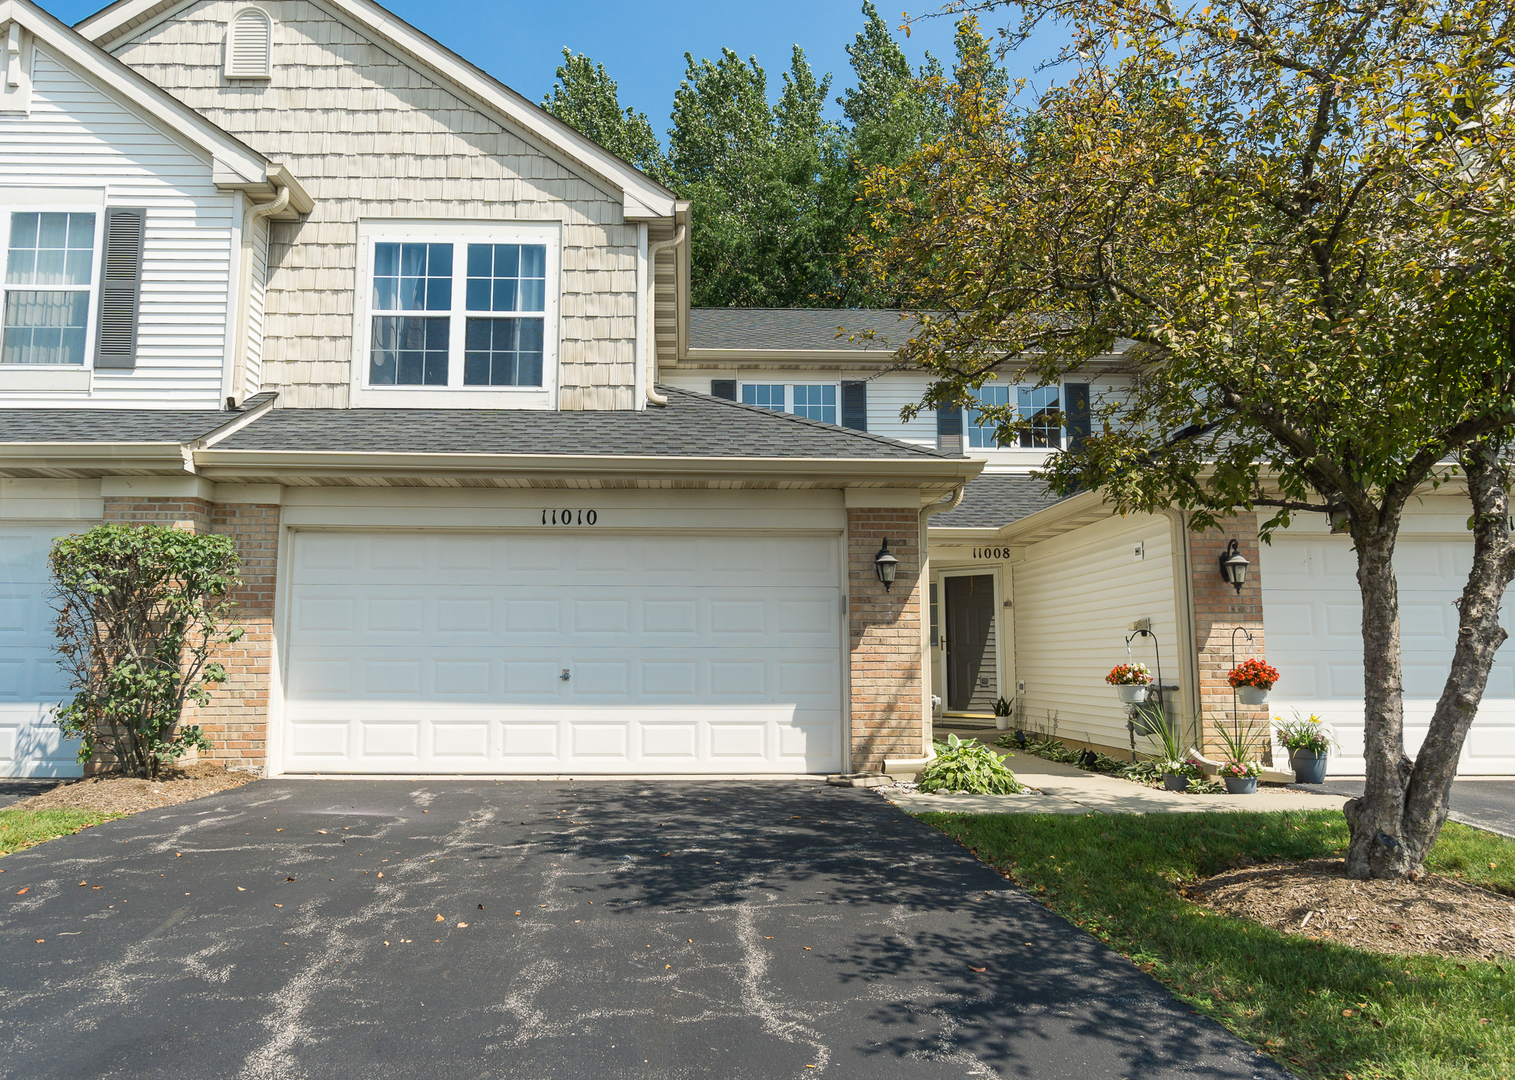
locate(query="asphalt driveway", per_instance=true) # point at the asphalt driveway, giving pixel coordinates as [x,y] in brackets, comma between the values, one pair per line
[311,929]
[1484,804]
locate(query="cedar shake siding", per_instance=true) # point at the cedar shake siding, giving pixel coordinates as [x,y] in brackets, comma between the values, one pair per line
[373,136]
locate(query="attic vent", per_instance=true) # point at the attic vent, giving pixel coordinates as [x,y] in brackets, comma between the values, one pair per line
[249,45]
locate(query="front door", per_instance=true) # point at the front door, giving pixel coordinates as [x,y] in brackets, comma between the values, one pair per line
[972,684]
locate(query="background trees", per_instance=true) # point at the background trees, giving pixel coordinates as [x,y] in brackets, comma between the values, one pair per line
[775,187]
[1299,212]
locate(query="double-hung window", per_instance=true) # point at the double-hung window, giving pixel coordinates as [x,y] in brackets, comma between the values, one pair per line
[814,401]
[49,275]
[460,315]
[1039,407]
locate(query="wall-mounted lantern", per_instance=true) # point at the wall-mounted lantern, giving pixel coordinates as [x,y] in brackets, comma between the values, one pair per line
[1233,568]
[885,565]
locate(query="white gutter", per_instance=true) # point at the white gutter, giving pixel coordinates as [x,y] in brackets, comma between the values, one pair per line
[244,287]
[653,251]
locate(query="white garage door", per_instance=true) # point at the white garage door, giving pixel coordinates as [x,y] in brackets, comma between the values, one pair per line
[1313,619]
[30,682]
[599,653]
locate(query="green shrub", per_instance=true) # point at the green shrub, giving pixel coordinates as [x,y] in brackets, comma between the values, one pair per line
[140,611]
[968,766]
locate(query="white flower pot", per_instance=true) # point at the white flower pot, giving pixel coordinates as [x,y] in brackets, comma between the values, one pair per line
[1251,695]
[1132,695]
[1002,723]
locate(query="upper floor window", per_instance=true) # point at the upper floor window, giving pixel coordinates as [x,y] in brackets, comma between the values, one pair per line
[1038,406]
[814,401]
[49,273]
[459,314]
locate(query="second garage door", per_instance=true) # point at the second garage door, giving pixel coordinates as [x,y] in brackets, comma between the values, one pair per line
[584,653]
[1312,616]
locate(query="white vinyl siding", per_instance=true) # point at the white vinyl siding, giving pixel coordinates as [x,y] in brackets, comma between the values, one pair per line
[1074,597]
[257,282]
[77,137]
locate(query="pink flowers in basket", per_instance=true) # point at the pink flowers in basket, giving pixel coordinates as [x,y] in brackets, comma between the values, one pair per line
[1129,675]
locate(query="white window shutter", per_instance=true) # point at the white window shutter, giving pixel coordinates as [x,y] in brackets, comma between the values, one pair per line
[249,45]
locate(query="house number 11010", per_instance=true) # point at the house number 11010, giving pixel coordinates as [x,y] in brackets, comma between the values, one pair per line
[569,517]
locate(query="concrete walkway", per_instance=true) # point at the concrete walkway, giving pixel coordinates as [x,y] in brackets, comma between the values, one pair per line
[1067,789]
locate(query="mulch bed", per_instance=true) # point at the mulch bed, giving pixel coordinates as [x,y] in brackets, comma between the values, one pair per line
[1435,915]
[112,794]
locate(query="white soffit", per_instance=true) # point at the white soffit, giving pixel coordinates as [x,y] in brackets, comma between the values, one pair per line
[643,197]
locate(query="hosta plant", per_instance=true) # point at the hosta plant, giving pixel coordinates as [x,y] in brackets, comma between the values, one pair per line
[967,766]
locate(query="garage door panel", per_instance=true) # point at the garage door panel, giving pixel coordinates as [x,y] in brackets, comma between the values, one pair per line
[683,653]
[1319,655]
[331,615]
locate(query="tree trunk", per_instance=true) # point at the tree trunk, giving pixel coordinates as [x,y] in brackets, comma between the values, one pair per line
[1376,847]
[1403,808]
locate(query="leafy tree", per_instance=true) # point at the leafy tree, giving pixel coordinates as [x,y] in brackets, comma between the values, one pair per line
[1300,213]
[754,175]
[140,611]
[585,98]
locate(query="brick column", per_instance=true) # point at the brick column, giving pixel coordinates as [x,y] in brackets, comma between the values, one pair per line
[1218,611]
[236,719]
[885,638]
[188,513]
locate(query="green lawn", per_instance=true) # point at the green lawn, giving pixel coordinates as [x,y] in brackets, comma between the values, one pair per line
[23,828]
[1118,877]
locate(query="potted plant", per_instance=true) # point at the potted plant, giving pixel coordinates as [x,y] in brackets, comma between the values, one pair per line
[1309,744]
[1177,774]
[1241,743]
[1130,682]
[1241,776]
[1252,679]
[1002,713]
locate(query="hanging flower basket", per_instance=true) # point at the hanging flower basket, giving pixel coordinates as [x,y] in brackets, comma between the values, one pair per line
[1130,682]
[1252,679]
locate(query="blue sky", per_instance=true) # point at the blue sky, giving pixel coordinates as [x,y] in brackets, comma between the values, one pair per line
[643,45]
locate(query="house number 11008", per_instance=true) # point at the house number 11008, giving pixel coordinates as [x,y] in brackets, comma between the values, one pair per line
[569,517]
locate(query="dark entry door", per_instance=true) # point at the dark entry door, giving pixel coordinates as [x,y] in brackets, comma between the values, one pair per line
[971,680]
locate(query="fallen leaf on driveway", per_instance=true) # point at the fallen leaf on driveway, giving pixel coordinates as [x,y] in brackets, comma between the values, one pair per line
[979,970]
[381,873]
[241,889]
[278,905]
[440,919]
[462,926]
[289,879]
[320,832]
[807,948]
[481,906]
[23,892]
[278,830]
[40,940]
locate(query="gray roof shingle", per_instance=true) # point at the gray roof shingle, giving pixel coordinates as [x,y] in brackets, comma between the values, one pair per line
[108,425]
[798,329]
[996,499]
[693,425]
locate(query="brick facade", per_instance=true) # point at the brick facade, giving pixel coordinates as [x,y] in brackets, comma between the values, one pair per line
[1218,611]
[884,638]
[236,719]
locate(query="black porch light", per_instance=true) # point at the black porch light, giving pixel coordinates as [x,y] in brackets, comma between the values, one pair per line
[1233,568]
[885,565]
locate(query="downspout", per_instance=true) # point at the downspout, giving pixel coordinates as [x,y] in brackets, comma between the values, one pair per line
[928,666]
[1189,701]
[249,220]
[653,251]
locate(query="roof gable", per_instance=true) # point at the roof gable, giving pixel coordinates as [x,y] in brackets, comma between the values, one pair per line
[643,197]
[234,163]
